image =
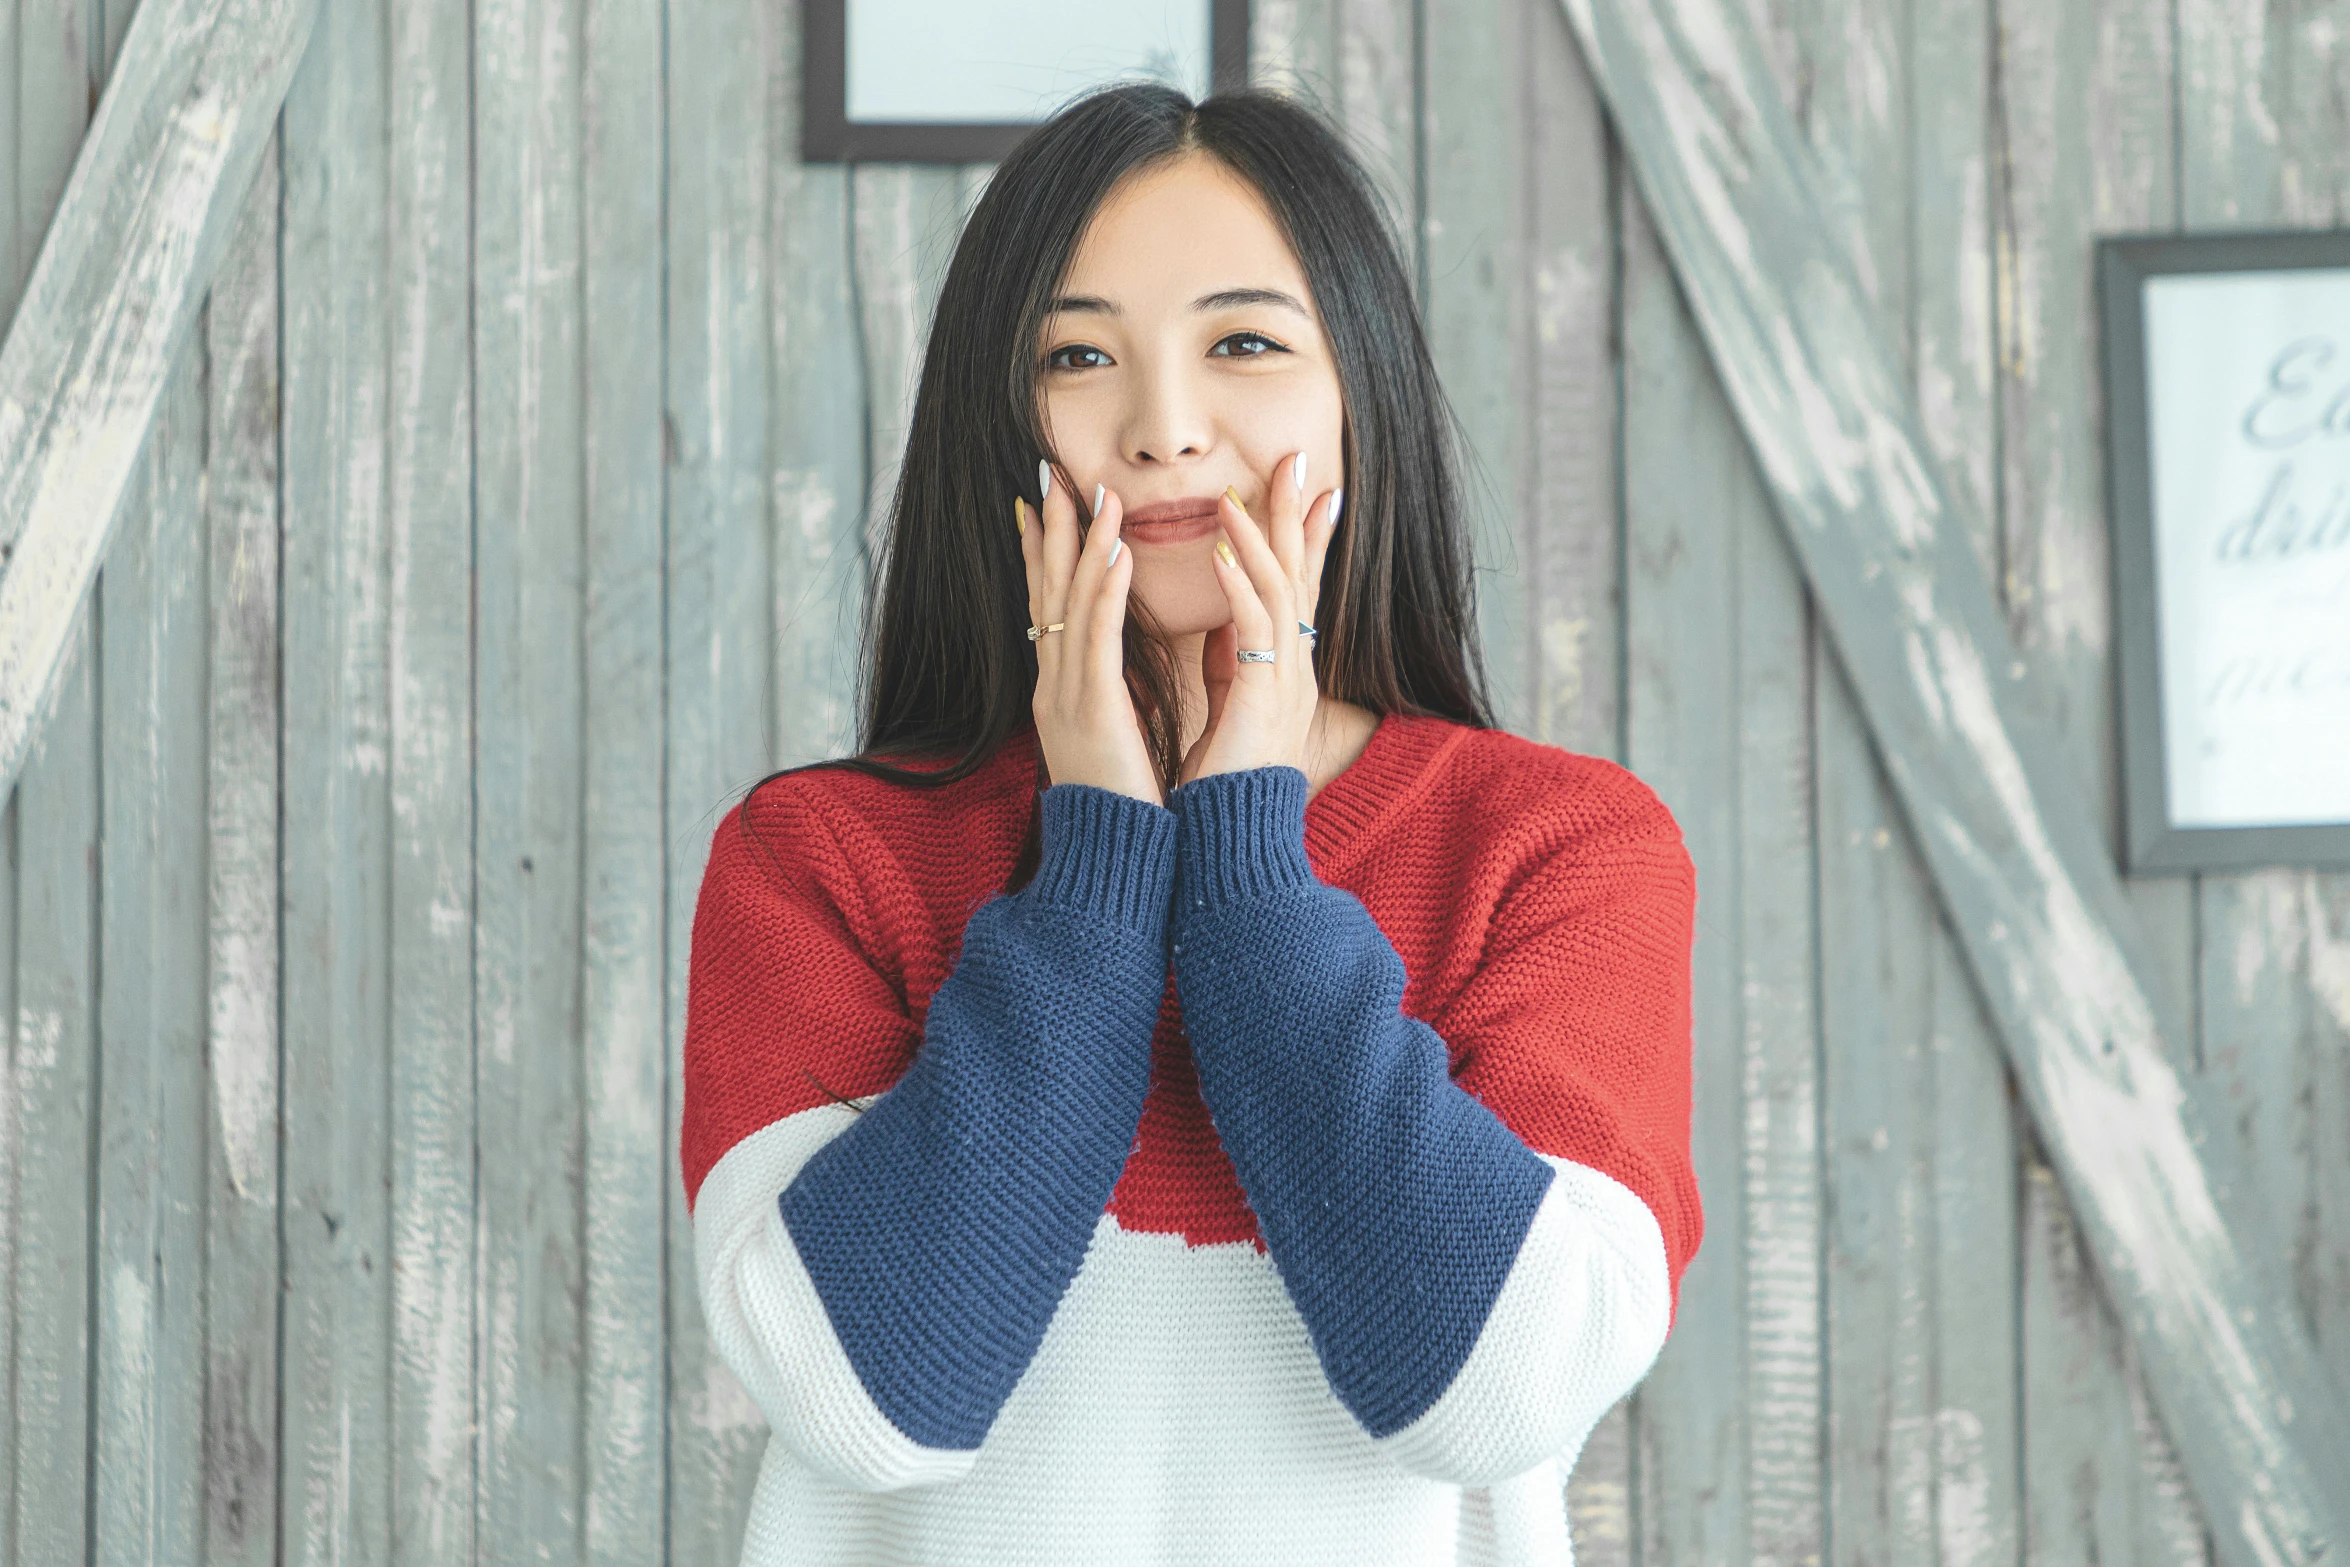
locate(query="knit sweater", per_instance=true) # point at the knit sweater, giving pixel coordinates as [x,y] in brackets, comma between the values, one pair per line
[1265,1179]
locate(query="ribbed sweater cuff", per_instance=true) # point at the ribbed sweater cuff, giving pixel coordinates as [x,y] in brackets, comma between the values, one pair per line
[1108,855]
[1242,835]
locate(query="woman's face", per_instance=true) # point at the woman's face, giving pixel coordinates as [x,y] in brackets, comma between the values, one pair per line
[1184,354]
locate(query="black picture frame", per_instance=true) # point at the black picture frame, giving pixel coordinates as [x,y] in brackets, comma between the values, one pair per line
[827,135]
[2124,263]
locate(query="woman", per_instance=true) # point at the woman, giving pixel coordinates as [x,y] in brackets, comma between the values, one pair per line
[1211,1097]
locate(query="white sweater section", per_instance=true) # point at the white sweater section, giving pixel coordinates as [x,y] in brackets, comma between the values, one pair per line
[1175,1412]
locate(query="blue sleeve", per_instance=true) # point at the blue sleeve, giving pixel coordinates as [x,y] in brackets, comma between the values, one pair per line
[942,1228]
[1392,1202]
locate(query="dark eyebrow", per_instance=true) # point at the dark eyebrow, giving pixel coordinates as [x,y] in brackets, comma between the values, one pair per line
[1234,298]
[1222,299]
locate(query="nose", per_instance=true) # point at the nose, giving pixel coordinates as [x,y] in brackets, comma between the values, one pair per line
[1167,422]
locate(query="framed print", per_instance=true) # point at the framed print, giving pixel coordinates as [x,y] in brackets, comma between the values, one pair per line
[2227,379]
[961,81]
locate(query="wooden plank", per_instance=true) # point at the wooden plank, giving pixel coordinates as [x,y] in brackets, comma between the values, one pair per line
[242,1058]
[335,1408]
[724,83]
[1779,1040]
[51,829]
[147,1373]
[1682,476]
[54,1091]
[2121,1488]
[820,559]
[1922,1453]
[2110,169]
[1733,1425]
[629,1172]
[1877,915]
[1378,105]
[1477,298]
[1574,551]
[903,223]
[153,197]
[2013,846]
[110,23]
[1976,1457]
[529,549]
[428,478]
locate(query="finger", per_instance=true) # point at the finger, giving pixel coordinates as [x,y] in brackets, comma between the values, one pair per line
[1218,663]
[1216,666]
[1060,541]
[1031,556]
[1269,579]
[1251,619]
[1285,527]
[1098,589]
[1321,528]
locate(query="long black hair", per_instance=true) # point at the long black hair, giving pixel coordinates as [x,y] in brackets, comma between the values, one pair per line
[947,672]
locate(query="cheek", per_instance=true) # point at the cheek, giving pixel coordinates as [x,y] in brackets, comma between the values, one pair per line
[1083,425]
[1292,414]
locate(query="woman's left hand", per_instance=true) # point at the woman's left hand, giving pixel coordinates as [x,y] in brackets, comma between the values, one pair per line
[1260,715]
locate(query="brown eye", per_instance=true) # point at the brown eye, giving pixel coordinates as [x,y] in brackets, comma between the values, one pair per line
[1067,358]
[1247,345]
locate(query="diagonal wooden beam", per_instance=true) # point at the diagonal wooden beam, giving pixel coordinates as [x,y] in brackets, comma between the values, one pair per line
[2022,869]
[153,198]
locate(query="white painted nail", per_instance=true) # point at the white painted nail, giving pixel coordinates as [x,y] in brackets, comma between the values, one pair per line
[1336,497]
[1099,491]
[1044,480]
[1115,546]
[1299,472]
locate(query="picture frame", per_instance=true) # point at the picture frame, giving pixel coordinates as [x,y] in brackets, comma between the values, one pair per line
[902,123]
[2226,362]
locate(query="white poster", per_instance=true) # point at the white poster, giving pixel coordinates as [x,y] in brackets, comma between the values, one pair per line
[980,62]
[2248,387]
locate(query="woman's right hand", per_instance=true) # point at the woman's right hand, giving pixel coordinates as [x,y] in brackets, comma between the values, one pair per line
[1085,717]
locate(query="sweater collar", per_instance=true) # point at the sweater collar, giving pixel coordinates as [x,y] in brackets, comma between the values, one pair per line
[1403,757]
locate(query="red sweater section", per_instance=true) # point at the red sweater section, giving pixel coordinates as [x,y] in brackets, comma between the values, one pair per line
[1541,901]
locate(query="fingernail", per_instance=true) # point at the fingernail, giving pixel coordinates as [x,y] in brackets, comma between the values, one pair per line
[1337,498]
[1044,480]
[1233,496]
[1115,546]
[1099,491]
[1224,551]
[1020,515]
[1299,468]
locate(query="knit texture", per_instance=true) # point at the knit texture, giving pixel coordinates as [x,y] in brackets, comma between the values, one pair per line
[1011,1124]
[1322,1162]
[1393,1201]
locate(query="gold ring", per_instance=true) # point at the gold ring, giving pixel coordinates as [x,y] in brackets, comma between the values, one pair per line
[1037,631]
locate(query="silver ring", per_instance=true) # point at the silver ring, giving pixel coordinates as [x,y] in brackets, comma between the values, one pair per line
[1250,655]
[1308,632]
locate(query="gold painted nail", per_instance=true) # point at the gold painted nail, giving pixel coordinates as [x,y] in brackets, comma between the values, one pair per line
[1234,497]
[1224,548]
[1020,515]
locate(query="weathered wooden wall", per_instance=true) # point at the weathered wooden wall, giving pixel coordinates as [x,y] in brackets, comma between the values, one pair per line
[507,515]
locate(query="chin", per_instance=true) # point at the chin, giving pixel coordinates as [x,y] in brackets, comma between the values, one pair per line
[1188,614]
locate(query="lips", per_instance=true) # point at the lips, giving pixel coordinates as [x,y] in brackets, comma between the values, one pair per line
[1171,522]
